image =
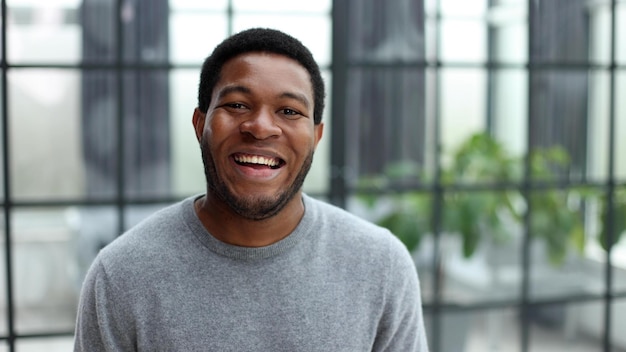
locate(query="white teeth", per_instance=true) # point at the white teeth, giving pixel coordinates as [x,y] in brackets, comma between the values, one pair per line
[256,159]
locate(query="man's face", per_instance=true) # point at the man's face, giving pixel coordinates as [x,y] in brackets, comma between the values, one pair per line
[258,137]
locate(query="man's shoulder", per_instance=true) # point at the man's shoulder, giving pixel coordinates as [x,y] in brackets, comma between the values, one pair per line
[342,226]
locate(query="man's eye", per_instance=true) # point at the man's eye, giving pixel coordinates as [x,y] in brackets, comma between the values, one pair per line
[235,105]
[290,113]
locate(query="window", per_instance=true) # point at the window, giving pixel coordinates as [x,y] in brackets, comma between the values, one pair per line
[99,97]
[488,135]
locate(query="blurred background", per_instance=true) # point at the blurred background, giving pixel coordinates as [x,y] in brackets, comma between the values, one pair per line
[489,135]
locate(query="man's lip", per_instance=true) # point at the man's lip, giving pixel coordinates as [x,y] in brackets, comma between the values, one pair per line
[253,157]
[256,172]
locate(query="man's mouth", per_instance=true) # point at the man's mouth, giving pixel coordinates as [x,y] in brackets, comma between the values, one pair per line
[258,161]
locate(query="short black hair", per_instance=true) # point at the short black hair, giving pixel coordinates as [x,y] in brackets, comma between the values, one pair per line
[260,40]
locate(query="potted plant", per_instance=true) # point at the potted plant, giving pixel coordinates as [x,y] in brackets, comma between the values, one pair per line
[478,213]
[485,202]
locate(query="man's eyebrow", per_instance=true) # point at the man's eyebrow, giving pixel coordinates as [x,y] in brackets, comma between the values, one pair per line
[245,90]
[233,89]
[299,97]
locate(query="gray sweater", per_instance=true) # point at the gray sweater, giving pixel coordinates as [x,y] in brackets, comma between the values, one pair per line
[337,283]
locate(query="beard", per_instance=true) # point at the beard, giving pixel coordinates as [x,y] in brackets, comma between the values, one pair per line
[250,206]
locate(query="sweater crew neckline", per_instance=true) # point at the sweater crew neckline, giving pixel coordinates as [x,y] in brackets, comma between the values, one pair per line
[247,253]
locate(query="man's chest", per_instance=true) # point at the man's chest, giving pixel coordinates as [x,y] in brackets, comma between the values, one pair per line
[290,314]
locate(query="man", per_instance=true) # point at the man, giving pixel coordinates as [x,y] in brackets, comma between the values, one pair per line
[254,264]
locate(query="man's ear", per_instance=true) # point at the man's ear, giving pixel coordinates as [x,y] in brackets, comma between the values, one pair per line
[198,122]
[319,131]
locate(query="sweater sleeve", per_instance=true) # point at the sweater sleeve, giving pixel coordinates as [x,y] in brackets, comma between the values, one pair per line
[402,325]
[102,323]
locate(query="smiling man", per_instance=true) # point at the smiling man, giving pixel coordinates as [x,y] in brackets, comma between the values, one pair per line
[254,264]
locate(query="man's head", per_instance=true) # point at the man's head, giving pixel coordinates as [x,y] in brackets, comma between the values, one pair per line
[260,40]
[258,123]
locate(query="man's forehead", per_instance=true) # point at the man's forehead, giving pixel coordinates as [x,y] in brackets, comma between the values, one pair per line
[243,68]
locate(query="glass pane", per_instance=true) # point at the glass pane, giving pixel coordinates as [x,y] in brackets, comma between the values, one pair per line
[408,216]
[146,132]
[479,331]
[93,228]
[458,8]
[47,268]
[481,246]
[492,330]
[73,3]
[455,328]
[431,45]
[99,131]
[2,160]
[618,252]
[620,32]
[186,170]
[509,33]
[561,30]
[184,29]
[618,324]
[45,344]
[318,179]
[384,31]
[198,5]
[558,264]
[572,327]
[559,124]
[145,37]
[463,40]
[50,33]
[99,31]
[63,141]
[3,277]
[385,118]
[481,158]
[561,327]
[509,109]
[463,93]
[318,40]
[145,33]
[598,126]
[620,126]
[46,159]
[598,17]
[320,6]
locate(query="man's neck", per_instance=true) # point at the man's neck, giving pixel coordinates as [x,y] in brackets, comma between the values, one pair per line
[229,227]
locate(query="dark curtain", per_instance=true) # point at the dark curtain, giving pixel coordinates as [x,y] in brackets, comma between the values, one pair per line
[143,95]
[559,112]
[385,114]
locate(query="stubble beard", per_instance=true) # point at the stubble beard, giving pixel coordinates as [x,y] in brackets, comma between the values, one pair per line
[251,207]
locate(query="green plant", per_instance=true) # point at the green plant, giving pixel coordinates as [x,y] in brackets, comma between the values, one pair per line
[408,213]
[470,214]
[619,216]
[479,214]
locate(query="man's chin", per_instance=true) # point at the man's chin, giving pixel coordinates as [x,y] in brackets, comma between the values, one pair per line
[256,207]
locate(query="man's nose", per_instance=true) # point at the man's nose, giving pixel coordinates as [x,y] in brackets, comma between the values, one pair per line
[261,124]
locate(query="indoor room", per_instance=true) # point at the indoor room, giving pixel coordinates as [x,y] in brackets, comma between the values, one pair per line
[489,136]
